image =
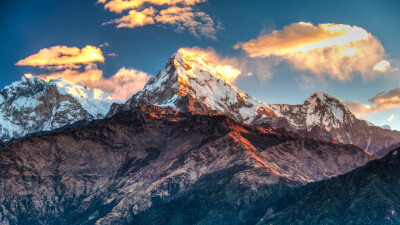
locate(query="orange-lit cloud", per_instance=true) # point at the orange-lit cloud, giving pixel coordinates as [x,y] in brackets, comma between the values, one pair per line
[227,67]
[59,57]
[135,18]
[380,102]
[179,13]
[121,85]
[233,67]
[79,65]
[336,50]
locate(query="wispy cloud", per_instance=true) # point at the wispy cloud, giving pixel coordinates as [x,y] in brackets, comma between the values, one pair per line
[336,50]
[178,13]
[393,117]
[79,65]
[380,102]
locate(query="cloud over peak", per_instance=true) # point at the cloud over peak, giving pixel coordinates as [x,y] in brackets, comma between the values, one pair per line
[79,65]
[178,13]
[336,50]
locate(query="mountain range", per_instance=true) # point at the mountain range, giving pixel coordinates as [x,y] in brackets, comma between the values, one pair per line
[107,171]
[190,148]
[34,104]
[189,83]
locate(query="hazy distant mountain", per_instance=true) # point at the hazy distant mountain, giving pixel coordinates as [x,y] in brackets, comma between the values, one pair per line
[109,171]
[367,195]
[33,104]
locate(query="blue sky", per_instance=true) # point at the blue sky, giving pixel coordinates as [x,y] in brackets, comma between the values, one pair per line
[28,26]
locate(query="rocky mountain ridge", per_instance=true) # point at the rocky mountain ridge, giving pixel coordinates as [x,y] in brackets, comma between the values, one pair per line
[108,171]
[334,122]
[34,104]
[367,195]
[189,83]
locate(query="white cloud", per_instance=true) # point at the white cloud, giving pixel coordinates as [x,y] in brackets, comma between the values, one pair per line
[393,117]
[336,50]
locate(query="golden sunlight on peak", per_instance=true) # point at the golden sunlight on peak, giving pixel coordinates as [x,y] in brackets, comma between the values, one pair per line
[228,72]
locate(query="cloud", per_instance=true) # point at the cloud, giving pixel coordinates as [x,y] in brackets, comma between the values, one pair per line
[227,67]
[105,44]
[336,50]
[60,57]
[135,18]
[383,66]
[79,65]
[121,85]
[380,102]
[231,68]
[178,13]
[392,118]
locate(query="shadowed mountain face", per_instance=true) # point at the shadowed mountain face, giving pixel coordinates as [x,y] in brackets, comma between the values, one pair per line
[108,171]
[386,150]
[367,195]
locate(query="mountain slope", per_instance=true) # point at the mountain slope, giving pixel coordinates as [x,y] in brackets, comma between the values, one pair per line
[189,83]
[335,121]
[367,195]
[107,171]
[33,104]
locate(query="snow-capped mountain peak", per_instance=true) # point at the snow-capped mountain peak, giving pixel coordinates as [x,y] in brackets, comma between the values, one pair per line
[190,83]
[319,109]
[33,104]
[324,109]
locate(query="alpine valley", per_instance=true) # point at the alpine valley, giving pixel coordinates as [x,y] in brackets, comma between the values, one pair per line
[190,148]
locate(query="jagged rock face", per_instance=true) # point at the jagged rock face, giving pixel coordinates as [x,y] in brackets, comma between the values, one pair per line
[33,104]
[189,83]
[328,118]
[107,171]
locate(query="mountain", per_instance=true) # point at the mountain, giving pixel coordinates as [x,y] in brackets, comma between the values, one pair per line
[33,105]
[367,195]
[334,122]
[383,152]
[189,83]
[111,171]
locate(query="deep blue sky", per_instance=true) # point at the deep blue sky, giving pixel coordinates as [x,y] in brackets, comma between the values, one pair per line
[28,26]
